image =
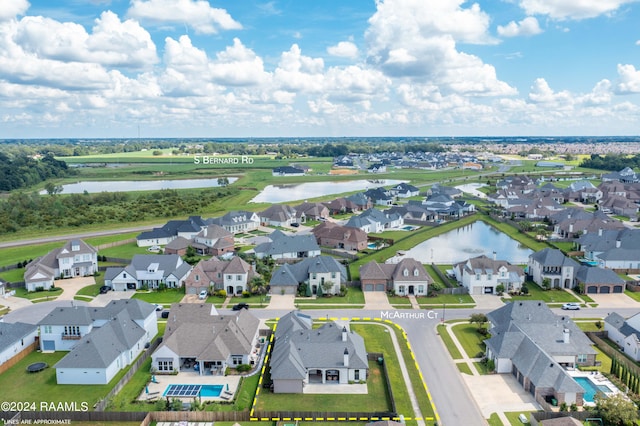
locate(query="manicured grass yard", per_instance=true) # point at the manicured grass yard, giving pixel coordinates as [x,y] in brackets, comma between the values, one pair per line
[513,417]
[13,275]
[470,339]
[635,295]
[399,301]
[18,385]
[448,299]
[164,297]
[90,290]
[31,295]
[547,296]
[448,342]
[494,420]
[375,400]
[354,296]
[464,368]
[254,301]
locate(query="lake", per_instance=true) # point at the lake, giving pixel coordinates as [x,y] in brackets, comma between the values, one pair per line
[138,185]
[469,241]
[308,190]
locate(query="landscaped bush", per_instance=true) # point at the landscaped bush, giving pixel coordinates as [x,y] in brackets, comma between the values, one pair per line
[221,293]
[243,367]
[246,294]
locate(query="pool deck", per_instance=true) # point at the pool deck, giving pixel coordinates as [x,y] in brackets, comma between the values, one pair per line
[187,378]
[598,380]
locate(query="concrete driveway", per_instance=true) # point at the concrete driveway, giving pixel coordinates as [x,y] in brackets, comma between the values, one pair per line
[614,300]
[71,286]
[376,300]
[282,301]
[499,393]
[104,299]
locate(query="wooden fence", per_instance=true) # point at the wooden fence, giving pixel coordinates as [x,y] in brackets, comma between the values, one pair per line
[115,243]
[101,405]
[339,253]
[597,336]
[18,357]
[375,356]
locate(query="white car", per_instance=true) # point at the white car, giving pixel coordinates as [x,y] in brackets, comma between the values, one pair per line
[571,306]
[203,295]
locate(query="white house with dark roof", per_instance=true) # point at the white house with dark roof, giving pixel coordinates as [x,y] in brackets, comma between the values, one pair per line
[552,264]
[238,221]
[15,338]
[214,240]
[284,246]
[625,333]
[187,228]
[315,272]
[404,190]
[375,221]
[149,270]
[278,215]
[198,339]
[75,259]
[305,355]
[481,275]
[101,340]
[537,346]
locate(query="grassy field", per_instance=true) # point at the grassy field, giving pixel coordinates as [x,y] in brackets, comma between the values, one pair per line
[448,342]
[470,339]
[463,367]
[13,275]
[42,386]
[547,296]
[163,297]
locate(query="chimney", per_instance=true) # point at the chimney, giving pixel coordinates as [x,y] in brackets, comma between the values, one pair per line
[571,227]
[346,357]
[494,255]
[618,242]
[344,333]
[565,335]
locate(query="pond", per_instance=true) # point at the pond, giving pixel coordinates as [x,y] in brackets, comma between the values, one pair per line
[470,241]
[308,190]
[138,185]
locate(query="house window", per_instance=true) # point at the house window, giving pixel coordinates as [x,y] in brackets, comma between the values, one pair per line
[420,289]
[229,277]
[405,272]
[238,277]
[124,275]
[478,277]
[582,358]
[165,365]
[401,289]
[71,330]
[333,275]
[197,277]
[416,272]
[356,375]
[236,359]
[488,275]
[47,329]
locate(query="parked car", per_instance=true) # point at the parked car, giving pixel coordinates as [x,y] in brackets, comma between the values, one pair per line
[203,295]
[240,306]
[295,224]
[158,307]
[571,306]
[104,289]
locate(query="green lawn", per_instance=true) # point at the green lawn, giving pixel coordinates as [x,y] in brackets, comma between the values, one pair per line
[464,368]
[635,295]
[494,420]
[31,295]
[448,342]
[399,301]
[482,368]
[13,255]
[513,417]
[605,360]
[354,296]
[42,386]
[163,297]
[90,290]
[254,301]
[125,251]
[375,401]
[446,299]
[470,339]
[547,296]
[13,275]
[589,325]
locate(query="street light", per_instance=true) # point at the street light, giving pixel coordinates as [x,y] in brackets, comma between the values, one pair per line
[444,306]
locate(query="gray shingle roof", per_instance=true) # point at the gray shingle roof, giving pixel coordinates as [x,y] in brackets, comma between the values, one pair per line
[595,275]
[553,257]
[294,274]
[12,332]
[281,244]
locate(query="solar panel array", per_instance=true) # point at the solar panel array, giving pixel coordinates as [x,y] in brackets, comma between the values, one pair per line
[184,391]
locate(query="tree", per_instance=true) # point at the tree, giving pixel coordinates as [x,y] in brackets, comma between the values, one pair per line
[308,291]
[327,286]
[546,283]
[479,319]
[500,289]
[319,292]
[52,189]
[223,181]
[616,410]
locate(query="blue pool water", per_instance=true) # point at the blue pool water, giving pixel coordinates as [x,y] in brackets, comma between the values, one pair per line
[590,388]
[371,246]
[191,391]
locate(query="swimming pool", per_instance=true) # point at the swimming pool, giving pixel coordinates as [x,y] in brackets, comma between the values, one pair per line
[590,388]
[190,391]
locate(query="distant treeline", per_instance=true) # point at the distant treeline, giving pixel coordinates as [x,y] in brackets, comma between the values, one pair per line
[33,211]
[23,171]
[286,148]
[614,162]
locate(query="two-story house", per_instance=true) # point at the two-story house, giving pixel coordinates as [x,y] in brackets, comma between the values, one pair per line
[238,221]
[214,240]
[481,275]
[329,234]
[234,276]
[320,271]
[407,277]
[75,259]
[553,265]
[375,221]
[284,246]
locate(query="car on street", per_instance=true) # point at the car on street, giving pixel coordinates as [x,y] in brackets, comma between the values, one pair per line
[295,224]
[203,295]
[104,289]
[240,306]
[571,306]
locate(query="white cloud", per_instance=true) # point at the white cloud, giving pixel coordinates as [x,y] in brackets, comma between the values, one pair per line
[344,49]
[527,27]
[354,83]
[197,14]
[238,66]
[543,94]
[299,73]
[111,42]
[9,9]
[572,9]
[628,79]
[417,39]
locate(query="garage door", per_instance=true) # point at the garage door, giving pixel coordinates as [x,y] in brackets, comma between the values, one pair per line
[48,345]
[617,289]
[605,289]
[380,287]
[192,290]
[592,289]
[368,287]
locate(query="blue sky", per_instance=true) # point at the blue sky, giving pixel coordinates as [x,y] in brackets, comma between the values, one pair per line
[218,68]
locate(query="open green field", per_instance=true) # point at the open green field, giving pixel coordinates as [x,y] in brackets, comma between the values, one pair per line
[13,275]
[42,386]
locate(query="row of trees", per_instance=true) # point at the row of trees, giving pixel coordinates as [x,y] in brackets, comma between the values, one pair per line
[20,210]
[24,171]
[611,162]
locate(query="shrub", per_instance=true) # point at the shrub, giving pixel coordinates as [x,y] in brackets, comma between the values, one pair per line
[246,294]
[563,406]
[482,331]
[524,289]
[243,367]
[221,293]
